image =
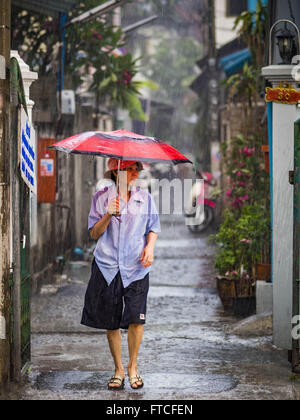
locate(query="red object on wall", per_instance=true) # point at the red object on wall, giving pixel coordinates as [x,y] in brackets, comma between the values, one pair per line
[46,171]
[283,95]
[265,150]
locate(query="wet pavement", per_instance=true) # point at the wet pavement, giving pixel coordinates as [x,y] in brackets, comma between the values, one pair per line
[187,353]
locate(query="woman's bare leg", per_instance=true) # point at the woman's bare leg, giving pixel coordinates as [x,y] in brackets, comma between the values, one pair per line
[114,340]
[135,335]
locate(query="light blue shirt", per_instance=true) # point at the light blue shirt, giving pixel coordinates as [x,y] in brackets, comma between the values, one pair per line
[121,245]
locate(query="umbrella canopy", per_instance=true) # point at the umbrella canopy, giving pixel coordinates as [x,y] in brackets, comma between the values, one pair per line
[123,145]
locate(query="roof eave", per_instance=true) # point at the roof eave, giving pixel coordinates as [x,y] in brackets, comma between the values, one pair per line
[46,6]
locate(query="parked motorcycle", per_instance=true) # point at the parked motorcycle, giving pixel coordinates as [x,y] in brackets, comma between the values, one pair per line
[200,217]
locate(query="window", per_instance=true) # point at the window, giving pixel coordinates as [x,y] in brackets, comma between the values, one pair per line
[236,7]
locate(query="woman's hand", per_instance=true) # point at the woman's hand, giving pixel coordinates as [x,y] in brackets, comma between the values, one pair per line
[147,257]
[113,207]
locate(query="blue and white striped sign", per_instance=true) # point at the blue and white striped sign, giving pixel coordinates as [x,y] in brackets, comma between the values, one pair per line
[28,153]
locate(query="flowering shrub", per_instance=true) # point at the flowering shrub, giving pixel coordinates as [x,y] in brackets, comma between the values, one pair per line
[244,234]
[247,180]
[241,241]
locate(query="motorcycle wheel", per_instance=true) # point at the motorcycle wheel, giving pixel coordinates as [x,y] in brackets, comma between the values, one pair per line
[209,217]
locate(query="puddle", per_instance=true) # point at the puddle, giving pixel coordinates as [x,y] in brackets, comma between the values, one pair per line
[162,382]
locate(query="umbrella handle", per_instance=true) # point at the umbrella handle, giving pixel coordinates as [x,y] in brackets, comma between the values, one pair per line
[118,185]
[118,178]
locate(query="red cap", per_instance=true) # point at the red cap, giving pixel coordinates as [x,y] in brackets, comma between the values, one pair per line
[113,163]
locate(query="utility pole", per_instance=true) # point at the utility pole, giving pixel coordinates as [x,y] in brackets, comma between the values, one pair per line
[211,28]
[5,22]
[213,87]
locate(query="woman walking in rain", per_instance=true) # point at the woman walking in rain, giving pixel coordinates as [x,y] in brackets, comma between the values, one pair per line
[123,220]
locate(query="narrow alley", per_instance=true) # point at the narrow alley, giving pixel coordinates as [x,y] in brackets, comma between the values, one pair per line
[197,102]
[188,351]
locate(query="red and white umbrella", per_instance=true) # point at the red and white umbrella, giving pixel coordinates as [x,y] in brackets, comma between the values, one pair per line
[122,145]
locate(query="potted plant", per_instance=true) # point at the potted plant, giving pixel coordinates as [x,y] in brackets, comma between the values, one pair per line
[240,243]
[231,261]
[260,235]
[254,227]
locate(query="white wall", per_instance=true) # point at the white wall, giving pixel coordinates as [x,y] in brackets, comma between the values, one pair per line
[224,24]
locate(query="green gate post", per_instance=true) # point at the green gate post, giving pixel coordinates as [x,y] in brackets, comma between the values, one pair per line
[5,40]
[296,247]
[20,228]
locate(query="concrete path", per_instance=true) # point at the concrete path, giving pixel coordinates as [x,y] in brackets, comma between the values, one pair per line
[188,352]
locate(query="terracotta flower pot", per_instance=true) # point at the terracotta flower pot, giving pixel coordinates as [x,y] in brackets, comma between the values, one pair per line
[263,272]
[226,291]
[265,150]
[242,307]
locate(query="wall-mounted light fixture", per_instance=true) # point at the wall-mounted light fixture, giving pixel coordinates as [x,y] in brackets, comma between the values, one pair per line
[287,43]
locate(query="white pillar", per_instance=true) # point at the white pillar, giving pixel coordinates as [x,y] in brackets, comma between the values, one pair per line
[284,117]
[28,78]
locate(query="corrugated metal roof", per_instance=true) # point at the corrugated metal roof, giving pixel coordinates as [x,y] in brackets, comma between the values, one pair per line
[46,6]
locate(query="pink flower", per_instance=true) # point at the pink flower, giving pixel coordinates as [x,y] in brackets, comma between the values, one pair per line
[127,76]
[96,35]
[239,173]
[241,164]
[228,193]
[244,240]
[237,203]
[242,184]
[248,152]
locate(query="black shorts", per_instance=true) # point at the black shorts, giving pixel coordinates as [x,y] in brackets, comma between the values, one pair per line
[104,304]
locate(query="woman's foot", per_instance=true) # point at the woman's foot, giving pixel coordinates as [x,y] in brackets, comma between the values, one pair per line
[135,380]
[117,380]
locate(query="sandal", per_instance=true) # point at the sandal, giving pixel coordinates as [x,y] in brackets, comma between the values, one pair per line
[134,379]
[116,380]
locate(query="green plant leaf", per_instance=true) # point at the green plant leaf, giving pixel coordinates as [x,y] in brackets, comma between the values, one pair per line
[134,106]
[145,83]
[114,77]
[105,83]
